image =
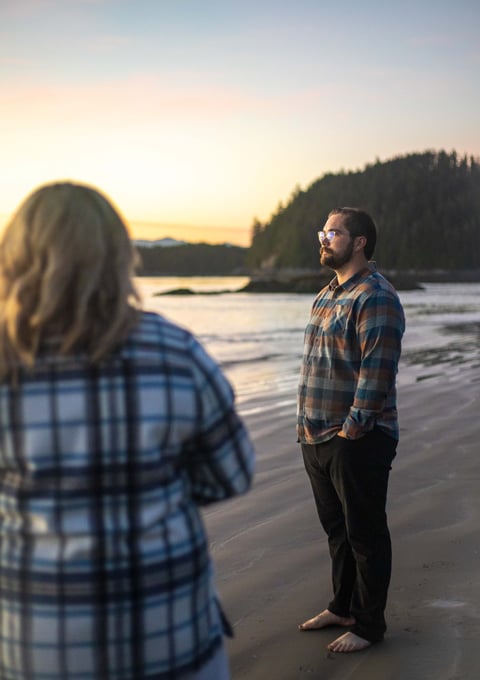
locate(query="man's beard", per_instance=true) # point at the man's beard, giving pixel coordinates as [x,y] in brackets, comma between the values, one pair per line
[338,260]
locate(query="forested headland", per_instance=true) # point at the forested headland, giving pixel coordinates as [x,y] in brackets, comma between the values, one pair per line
[426,207]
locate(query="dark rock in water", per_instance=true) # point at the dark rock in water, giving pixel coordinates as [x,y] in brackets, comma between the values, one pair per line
[300,284]
[176,291]
[308,284]
[311,284]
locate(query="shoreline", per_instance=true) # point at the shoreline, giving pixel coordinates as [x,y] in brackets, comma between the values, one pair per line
[312,281]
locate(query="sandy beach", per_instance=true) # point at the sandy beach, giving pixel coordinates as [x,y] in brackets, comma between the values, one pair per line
[271,557]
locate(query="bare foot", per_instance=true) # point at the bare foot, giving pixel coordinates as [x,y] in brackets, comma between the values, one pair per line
[324,619]
[348,642]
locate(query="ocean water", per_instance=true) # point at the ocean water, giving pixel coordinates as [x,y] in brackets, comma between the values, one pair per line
[257,338]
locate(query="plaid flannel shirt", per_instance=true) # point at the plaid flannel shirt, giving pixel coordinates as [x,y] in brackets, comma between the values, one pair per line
[104,564]
[350,360]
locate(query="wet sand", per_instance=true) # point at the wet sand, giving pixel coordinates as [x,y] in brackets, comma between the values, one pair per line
[271,557]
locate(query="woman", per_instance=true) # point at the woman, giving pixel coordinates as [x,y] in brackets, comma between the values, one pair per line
[115,425]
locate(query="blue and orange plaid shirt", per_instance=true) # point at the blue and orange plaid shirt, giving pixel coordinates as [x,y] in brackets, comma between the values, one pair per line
[350,360]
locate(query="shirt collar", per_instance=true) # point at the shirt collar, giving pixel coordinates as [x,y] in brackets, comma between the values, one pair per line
[353,280]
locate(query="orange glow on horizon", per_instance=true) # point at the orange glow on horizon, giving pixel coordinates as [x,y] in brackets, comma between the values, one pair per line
[153,231]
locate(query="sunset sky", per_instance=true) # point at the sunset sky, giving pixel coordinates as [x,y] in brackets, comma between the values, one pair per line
[198,116]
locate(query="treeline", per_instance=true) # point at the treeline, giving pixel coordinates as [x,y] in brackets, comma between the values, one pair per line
[426,206]
[196,259]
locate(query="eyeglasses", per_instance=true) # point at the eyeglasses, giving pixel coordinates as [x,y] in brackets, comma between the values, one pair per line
[330,235]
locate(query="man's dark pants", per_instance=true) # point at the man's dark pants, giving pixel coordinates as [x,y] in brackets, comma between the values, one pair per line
[349,480]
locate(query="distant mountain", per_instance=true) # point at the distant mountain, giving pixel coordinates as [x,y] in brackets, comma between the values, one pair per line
[160,243]
[171,242]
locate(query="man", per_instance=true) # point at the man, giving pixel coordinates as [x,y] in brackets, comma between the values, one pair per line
[347,424]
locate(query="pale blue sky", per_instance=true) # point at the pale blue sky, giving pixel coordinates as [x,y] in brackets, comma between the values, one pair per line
[208,113]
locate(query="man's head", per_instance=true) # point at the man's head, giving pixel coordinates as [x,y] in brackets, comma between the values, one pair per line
[349,233]
[359,223]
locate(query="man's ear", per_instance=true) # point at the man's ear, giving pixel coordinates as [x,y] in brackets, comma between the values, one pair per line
[360,243]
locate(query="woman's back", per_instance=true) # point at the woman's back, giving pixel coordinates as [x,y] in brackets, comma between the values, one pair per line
[104,564]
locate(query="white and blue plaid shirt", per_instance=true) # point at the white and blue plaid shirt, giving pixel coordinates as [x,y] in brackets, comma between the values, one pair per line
[104,564]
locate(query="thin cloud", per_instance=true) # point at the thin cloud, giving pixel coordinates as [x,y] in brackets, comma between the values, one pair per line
[138,97]
[16,61]
[474,55]
[441,40]
[110,43]
[29,8]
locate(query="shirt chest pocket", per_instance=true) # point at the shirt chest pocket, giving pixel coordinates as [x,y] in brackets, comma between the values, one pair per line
[336,319]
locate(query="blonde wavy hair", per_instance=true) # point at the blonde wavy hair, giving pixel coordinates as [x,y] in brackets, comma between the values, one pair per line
[66,267]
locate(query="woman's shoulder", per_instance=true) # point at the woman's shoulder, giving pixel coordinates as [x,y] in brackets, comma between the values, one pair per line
[158,342]
[155,331]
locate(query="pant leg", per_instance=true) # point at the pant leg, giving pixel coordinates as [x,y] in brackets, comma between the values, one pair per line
[359,471]
[317,459]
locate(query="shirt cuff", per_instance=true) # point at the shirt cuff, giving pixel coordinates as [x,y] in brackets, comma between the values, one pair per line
[358,423]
